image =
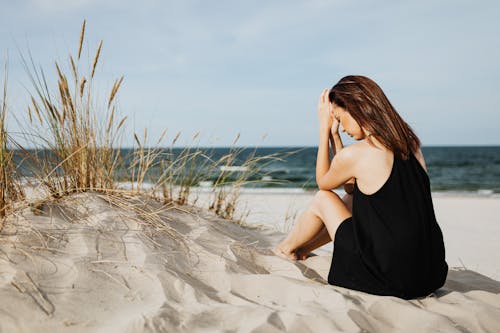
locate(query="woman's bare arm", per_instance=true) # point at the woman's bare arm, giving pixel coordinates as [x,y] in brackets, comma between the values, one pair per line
[341,168]
[337,145]
[331,173]
[323,156]
[336,142]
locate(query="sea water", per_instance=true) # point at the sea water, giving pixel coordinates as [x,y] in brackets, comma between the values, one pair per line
[473,170]
[470,170]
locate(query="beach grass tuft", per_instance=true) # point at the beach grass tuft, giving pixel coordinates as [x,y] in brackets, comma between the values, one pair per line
[76,140]
[11,189]
[75,152]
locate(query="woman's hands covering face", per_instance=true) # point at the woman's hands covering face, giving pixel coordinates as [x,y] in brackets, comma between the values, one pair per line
[326,117]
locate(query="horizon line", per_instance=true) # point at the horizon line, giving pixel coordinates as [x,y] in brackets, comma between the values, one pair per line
[278,146]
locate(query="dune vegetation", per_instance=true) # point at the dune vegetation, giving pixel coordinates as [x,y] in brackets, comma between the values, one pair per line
[74,144]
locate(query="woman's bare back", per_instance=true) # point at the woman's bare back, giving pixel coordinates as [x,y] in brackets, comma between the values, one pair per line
[374,165]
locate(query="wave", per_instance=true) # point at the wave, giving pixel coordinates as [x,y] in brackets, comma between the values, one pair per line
[233,168]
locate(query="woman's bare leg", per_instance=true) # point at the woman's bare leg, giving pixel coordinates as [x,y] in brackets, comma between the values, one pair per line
[327,211]
[322,237]
[347,199]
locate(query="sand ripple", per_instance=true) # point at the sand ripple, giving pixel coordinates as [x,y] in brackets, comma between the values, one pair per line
[88,266]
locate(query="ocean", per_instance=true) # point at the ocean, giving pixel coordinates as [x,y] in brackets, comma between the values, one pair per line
[475,170]
[471,169]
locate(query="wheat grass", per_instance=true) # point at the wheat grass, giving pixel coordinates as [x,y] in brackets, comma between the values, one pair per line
[10,187]
[82,36]
[77,146]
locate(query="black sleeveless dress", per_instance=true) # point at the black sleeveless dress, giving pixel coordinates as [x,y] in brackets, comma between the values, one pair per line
[392,245]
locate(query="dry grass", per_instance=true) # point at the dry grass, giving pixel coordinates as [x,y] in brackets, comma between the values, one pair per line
[78,152]
[234,176]
[11,189]
[179,174]
[78,149]
[232,171]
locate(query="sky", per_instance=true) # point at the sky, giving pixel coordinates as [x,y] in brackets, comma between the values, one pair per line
[256,68]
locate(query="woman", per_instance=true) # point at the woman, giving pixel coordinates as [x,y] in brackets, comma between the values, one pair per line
[386,237]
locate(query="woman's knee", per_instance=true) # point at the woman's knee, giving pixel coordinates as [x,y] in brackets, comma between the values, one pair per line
[331,209]
[323,197]
[330,199]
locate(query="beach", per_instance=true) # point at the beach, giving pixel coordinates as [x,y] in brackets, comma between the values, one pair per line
[470,224]
[158,209]
[91,263]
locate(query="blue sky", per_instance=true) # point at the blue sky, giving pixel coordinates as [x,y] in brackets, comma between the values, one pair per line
[257,67]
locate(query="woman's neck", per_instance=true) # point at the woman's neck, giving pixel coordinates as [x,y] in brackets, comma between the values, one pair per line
[373,141]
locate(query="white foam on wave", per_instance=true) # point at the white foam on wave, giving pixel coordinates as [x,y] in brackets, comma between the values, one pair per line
[485,192]
[207,186]
[482,193]
[233,168]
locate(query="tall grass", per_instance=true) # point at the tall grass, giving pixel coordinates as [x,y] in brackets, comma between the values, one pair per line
[80,133]
[233,176]
[143,159]
[181,174]
[10,187]
[78,146]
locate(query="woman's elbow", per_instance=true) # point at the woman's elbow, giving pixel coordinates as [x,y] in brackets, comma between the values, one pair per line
[323,186]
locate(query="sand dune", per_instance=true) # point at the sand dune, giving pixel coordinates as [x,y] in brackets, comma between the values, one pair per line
[87,265]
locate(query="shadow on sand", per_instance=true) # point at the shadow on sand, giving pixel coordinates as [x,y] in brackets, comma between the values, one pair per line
[463,280]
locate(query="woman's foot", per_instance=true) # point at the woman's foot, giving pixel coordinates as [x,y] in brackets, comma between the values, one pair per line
[285,253]
[302,254]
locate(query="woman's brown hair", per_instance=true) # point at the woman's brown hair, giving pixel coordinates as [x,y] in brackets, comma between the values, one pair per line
[367,104]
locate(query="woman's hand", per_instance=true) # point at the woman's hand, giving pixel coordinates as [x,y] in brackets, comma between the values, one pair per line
[335,125]
[325,115]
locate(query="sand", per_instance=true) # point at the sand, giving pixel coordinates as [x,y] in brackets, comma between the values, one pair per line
[83,264]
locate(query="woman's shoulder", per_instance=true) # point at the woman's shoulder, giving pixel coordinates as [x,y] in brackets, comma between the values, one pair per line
[364,155]
[374,165]
[353,153]
[369,149]
[359,146]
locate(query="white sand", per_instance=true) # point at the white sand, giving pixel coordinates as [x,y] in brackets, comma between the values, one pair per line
[87,266]
[470,224]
